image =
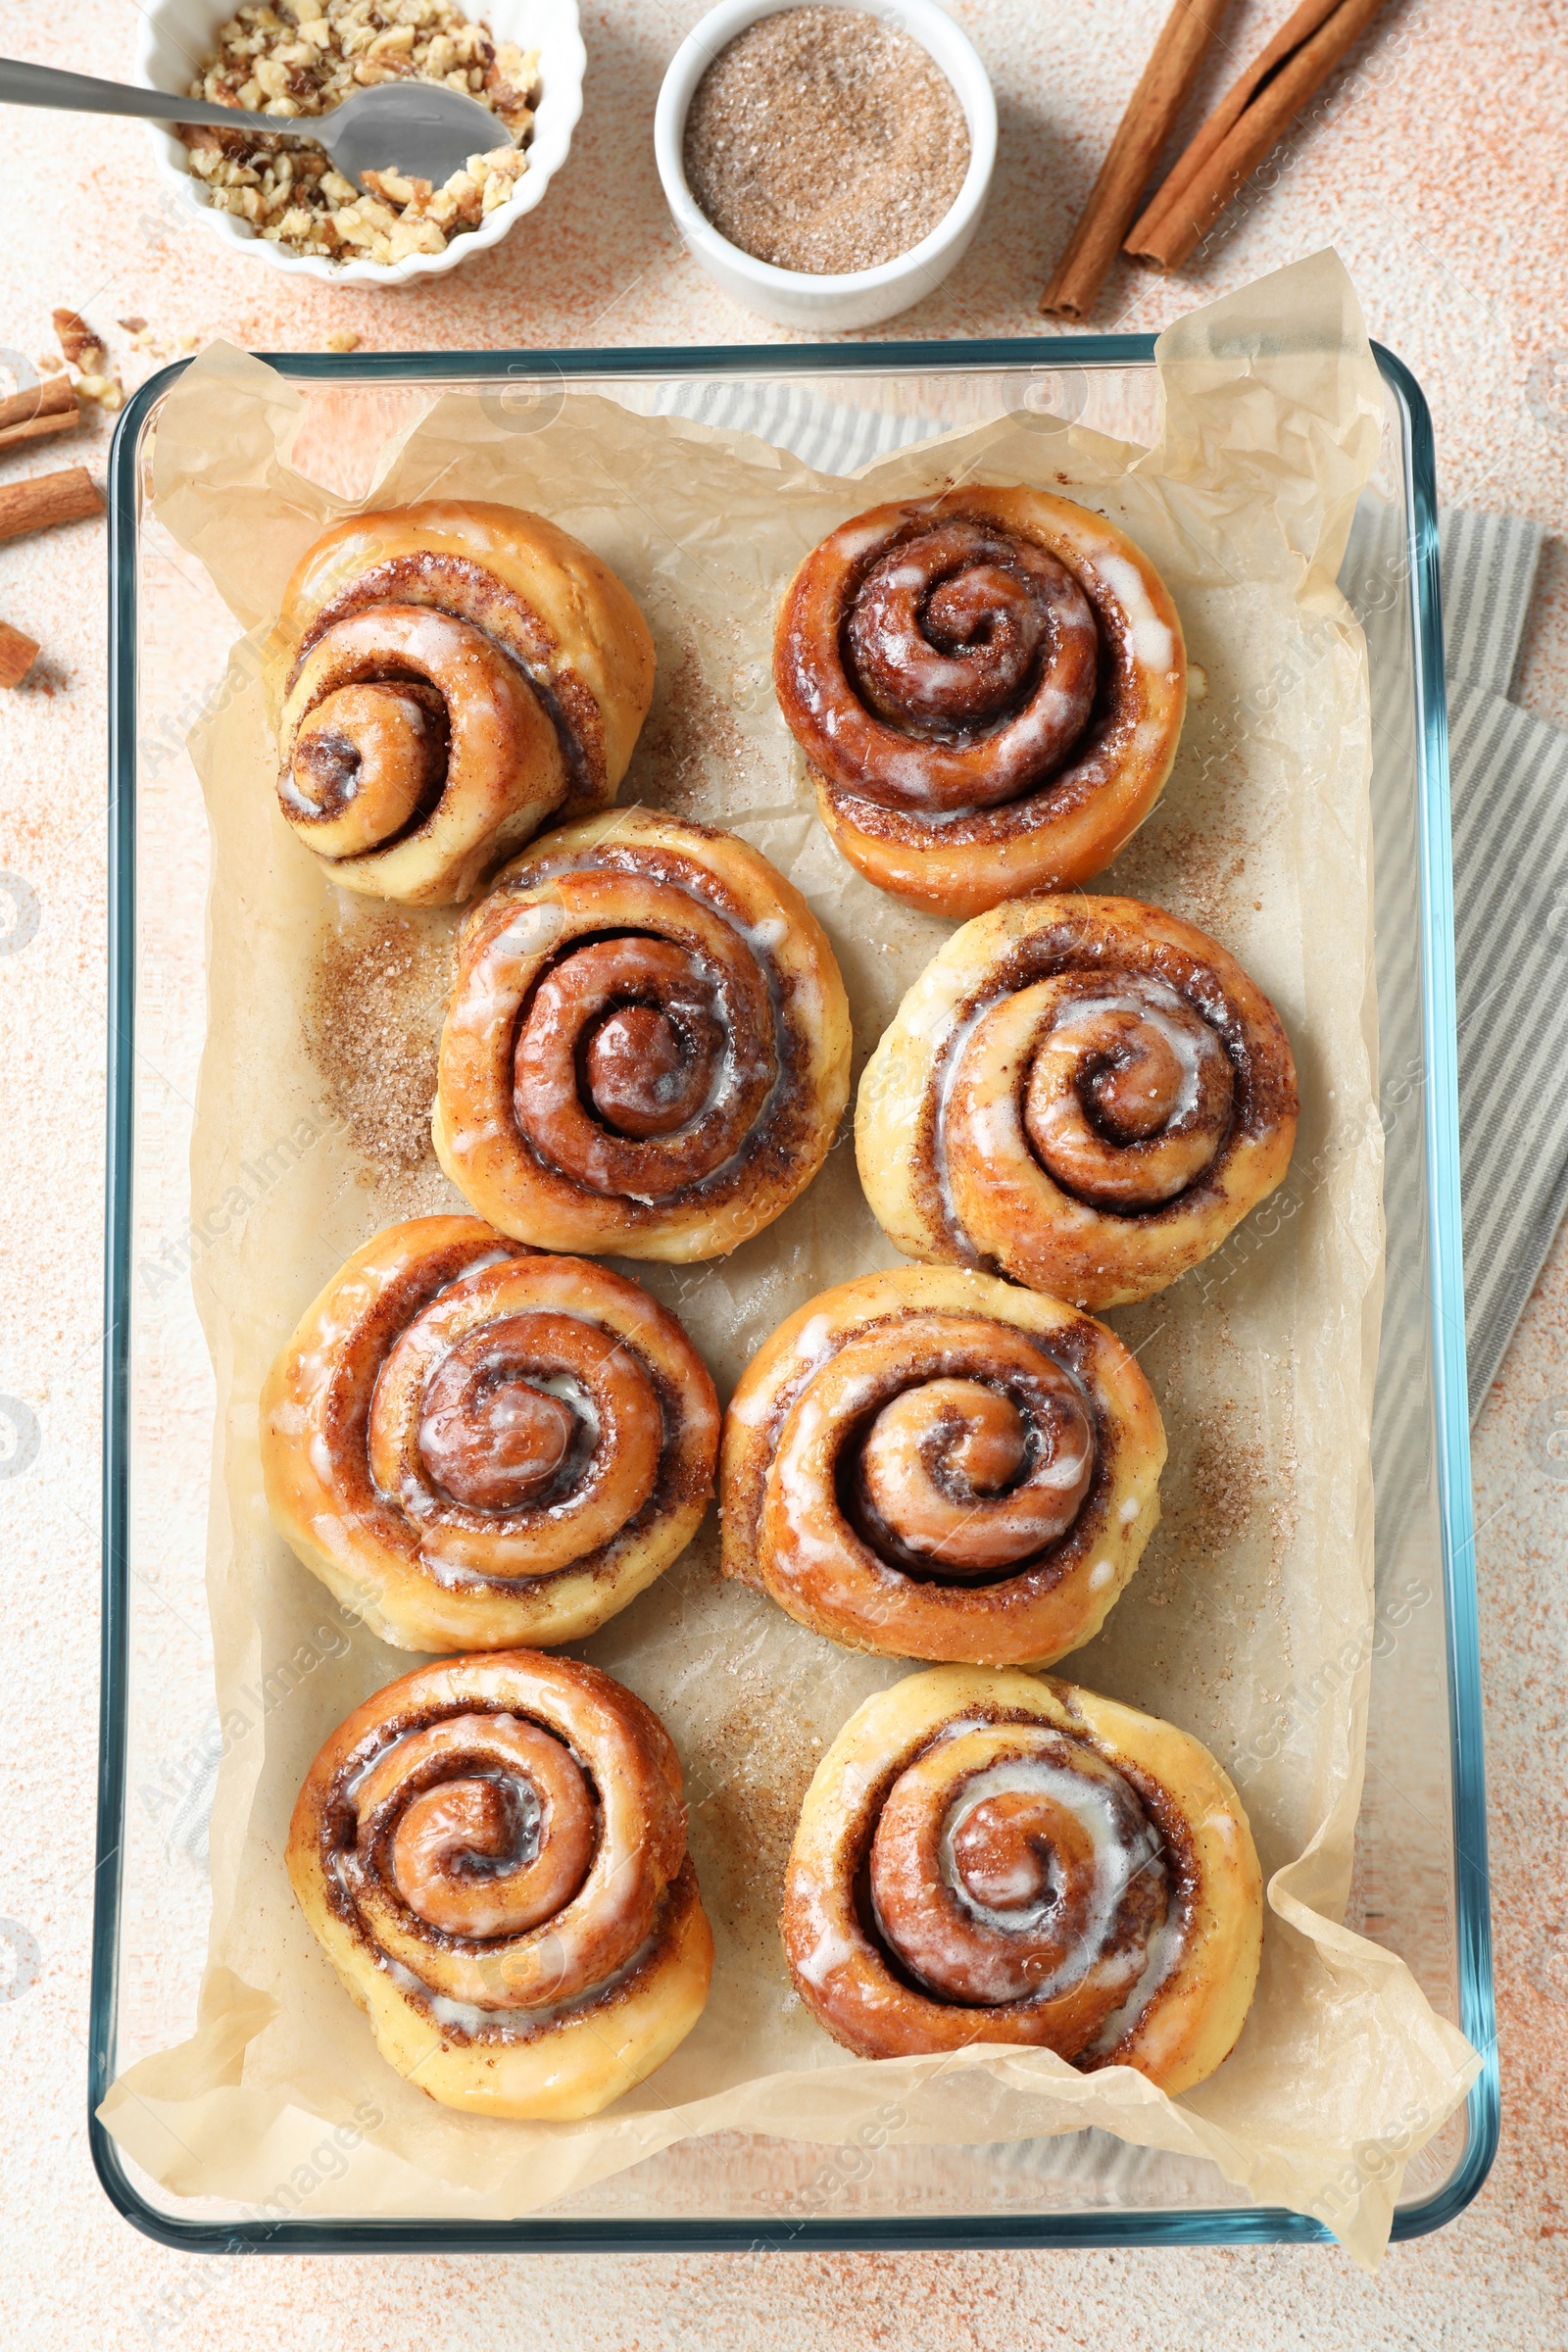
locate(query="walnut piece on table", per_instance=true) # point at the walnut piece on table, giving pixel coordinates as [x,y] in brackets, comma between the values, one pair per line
[88,353]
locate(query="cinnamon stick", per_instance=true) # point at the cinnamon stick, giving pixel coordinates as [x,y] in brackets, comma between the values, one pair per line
[46,499]
[18,655]
[1252,115]
[39,428]
[1144,128]
[51,398]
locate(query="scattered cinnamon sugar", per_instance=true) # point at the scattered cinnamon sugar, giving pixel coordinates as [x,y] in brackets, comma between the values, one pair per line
[746,1820]
[372,1023]
[1227,1476]
[690,749]
[822,139]
[1185,867]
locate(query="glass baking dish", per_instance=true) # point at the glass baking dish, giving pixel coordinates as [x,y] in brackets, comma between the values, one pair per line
[1420,1881]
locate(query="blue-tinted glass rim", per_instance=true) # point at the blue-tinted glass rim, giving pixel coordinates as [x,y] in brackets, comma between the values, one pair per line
[1219,2225]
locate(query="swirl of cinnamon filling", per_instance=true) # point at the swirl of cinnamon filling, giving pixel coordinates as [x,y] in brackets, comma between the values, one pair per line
[647,1047]
[470,1444]
[961,635]
[1085,1092]
[993,1857]
[493,1853]
[444,677]
[938,1465]
[1013,1862]
[989,688]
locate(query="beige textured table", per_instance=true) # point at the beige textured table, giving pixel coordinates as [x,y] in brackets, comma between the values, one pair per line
[1436,174]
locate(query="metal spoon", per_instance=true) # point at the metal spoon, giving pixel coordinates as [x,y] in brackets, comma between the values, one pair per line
[420,128]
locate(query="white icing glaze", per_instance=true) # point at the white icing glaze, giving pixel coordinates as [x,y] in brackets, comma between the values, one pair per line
[1166,1947]
[480,2024]
[815,1338]
[958,1046]
[1153,644]
[1126,583]
[1155,1005]
[853,542]
[829,1950]
[1092,1802]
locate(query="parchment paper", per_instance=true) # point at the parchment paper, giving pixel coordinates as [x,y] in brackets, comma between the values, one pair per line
[318,1065]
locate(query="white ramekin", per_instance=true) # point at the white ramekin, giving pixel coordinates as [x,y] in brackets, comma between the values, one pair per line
[176,35]
[856,296]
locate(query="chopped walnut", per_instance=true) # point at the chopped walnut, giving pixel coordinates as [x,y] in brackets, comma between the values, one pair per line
[81,347]
[297,57]
[84,351]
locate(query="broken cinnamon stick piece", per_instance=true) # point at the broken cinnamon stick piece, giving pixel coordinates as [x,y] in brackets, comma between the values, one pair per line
[39,428]
[1251,118]
[18,655]
[46,499]
[1144,128]
[50,399]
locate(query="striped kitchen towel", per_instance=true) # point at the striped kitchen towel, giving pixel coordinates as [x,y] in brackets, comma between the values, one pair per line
[1510,901]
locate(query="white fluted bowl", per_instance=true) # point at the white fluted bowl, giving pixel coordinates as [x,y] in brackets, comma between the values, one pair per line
[176,35]
[854,297]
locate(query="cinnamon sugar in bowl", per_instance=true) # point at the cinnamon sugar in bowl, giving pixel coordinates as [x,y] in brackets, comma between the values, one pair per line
[826,161]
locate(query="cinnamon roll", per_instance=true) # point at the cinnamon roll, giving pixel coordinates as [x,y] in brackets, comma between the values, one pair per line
[647,1049]
[989,688]
[492,1853]
[474,1447]
[993,1857]
[444,677]
[1088,1094]
[934,1465]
